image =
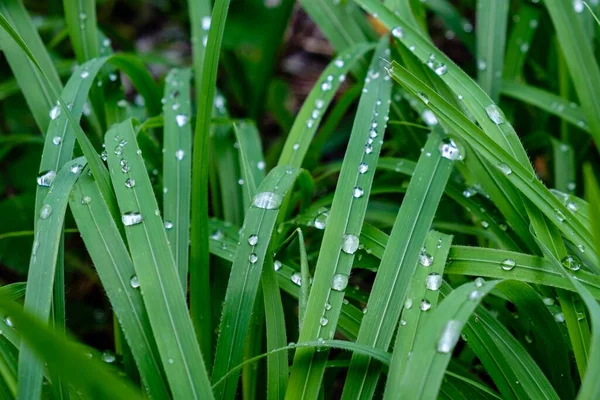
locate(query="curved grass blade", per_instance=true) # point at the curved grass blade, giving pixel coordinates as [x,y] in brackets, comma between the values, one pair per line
[38,89]
[155,267]
[422,293]
[40,279]
[491,24]
[309,117]
[546,101]
[199,253]
[115,269]
[90,376]
[340,240]
[177,167]
[579,56]
[398,262]
[245,274]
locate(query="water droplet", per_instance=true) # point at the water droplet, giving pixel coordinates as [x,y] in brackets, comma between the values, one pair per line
[571,262]
[45,178]
[76,168]
[449,150]
[86,200]
[549,301]
[481,65]
[319,103]
[578,6]
[253,258]
[324,321]
[429,117]
[181,120]
[433,281]
[357,192]
[363,168]
[504,168]
[425,259]
[408,303]
[277,265]
[339,63]
[495,114]
[485,224]
[131,218]
[581,248]
[45,211]
[559,317]
[179,154]
[296,278]
[475,295]
[57,140]
[425,305]
[296,146]
[423,97]
[261,165]
[327,306]
[398,32]
[217,235]
[321,220]
[449,336]
[350,244]
[168,225]
[441,69]
[267,200]
[252,240]
[479,282]
[134,282]
[368,149]
[205,23]
[508,264]
[129,182]
[339,283]
[108,357]
[54,112]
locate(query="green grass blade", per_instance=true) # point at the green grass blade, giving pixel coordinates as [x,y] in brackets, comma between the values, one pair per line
[592,194]
[310,115]
[155,267]
[80,16]
[491,24]
[546,101]
[200,18]
[423,291]
[177,168]
[251,158]
[38,89]
[399,262]
[344,224]
[564,166]
[245,274]
[91,376]
[13,291]
[115,269]
[580,60]
[199,254]
[40,280]
[519,41]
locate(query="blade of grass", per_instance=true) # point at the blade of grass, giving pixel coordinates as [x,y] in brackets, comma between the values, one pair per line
[399,262]
[38,89]
[344,224]
[245,274]
[80,16]
[115,269]
[519,41]
[155,267]
[177,168]
[40,279]
[199,255]
[491,24]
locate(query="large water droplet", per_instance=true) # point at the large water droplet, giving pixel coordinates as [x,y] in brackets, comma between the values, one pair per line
[129,182]
[350,244]
[324,321]
[508,264]
[578,6]
[108,357]
[296,278]
[267,200]
[54,112]
[363,168]
[76,168]
[277,265]
[449,336]
[45,178]
[131,218]
[504,168]
[357,192]
[252,240]
[253,258]
[181,120]
[398,32]
[441,69]
[339,283]
[57,140]
[571,262]
[479,282]
[449,149]
[559,317]
[495,114]
[425,259]
[425,305]
[45,211]
[433,281]
[179,154]
[429,117]
[134,282]
[321,220]
[168,225]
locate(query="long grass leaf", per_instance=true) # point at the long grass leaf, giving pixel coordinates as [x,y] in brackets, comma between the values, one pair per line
[340,240]
[155,267]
